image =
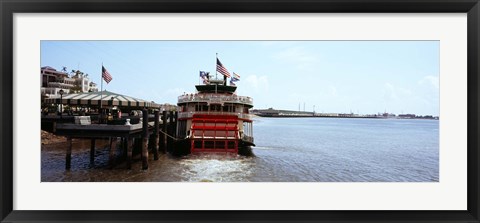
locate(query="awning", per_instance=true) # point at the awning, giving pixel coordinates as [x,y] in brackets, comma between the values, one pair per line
[107,98]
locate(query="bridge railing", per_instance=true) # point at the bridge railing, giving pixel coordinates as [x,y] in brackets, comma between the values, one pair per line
[215,98]
[190,114]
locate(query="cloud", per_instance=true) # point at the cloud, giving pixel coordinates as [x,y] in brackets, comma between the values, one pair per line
[430,80]
[404,91]
[299,56]
[389,91]
[392,92]
[258,82]
[332,91]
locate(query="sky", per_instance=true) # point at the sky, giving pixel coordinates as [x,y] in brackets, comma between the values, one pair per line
[364,77]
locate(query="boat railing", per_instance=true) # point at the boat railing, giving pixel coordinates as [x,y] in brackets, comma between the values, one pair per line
[215,98]
[190,114]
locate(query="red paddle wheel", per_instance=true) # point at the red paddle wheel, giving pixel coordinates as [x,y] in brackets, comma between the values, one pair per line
[214,133]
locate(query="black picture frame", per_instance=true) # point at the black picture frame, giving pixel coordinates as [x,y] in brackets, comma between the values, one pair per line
[9,7]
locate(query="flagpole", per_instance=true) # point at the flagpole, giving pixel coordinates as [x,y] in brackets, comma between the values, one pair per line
[216,61]
[216,72]
[101,93]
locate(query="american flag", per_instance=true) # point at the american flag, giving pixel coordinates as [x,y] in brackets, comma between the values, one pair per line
[105,75]
[221,69]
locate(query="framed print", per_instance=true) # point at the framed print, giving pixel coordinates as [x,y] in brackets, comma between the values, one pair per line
[239,111]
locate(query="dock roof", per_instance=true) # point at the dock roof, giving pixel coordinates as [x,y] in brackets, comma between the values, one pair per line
[107,98]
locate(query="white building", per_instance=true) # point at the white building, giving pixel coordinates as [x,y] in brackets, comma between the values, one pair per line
[53,81]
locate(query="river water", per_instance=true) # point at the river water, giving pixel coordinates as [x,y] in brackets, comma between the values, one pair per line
[288,150]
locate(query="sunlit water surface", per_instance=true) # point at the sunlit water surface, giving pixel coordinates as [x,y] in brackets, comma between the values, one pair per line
[288,150]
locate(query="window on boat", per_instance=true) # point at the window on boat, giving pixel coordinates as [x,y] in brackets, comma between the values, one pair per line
[229,108]
[215,108]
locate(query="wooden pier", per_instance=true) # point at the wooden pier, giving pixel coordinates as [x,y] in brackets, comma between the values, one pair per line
[148,133]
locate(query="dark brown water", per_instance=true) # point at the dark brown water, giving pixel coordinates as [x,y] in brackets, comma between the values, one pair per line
[288,150]
[193,168]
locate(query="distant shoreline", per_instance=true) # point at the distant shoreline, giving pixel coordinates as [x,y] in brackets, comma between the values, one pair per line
[366,117]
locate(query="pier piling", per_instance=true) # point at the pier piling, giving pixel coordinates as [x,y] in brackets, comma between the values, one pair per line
[124,146]
[175,124]
[164,122]
[92,151]
[68,157]
[170,130]
[156,136]
[111,157]
[129,152]
[170,123]
[145,140]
